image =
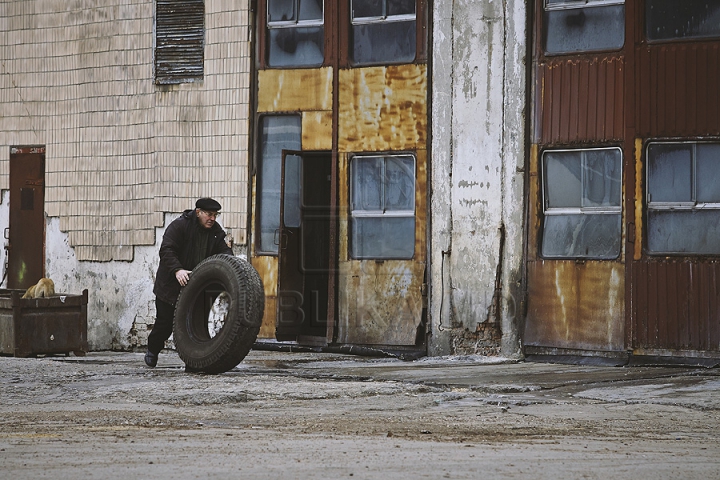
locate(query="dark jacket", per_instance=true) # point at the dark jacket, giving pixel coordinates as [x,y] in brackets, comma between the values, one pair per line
[176,253]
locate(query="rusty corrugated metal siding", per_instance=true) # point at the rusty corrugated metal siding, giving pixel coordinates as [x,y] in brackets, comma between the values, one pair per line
[677,90]
[576,306]
[644,92]
[676,305]
[581,100]
[674,302]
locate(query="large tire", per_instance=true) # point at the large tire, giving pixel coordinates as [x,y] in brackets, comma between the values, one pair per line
[201,348]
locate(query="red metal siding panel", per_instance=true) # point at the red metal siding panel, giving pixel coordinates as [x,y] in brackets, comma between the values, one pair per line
[582,100]
[601,74]
[691,105]
[712,103]
[619,107]
[678,90]
[701,80]
[573,103]
[592,83]
[676,305]
[552,92]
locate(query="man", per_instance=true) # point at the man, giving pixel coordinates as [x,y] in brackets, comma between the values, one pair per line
[188,240]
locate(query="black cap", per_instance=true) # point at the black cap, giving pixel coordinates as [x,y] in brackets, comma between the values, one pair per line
[208,204]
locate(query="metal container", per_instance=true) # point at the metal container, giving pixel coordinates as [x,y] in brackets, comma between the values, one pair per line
[34,326]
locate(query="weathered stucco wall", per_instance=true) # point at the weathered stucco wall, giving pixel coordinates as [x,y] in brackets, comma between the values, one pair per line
[121,305]
[478,151]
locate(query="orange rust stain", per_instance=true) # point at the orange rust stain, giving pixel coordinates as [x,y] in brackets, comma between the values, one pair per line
[421,206]
[317,130]
[383,108]
[381,303]
[343,206]
[535,204]
[637,254]
[295,90]
[267,268]
[267,328]
[576,305]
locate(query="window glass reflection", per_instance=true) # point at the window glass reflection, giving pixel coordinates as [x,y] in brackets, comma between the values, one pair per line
[582,198]
[382,192]
[277,133]
[674,19]
[584,29]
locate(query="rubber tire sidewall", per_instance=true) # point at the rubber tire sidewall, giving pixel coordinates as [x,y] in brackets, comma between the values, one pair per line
[232,343]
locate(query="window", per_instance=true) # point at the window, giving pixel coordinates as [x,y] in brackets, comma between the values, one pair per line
[583,25]
[179,41]
[582,195]
[382,204]
[295,33]
[683,198]
[277,133]
[674,19]
[382,31]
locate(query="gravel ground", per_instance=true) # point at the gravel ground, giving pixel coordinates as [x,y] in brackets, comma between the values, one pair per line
[301,415]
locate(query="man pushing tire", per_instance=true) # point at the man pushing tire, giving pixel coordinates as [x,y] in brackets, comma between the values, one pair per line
[187,243]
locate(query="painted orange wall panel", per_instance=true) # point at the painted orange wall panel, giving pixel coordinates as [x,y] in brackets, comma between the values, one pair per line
[267,268]
[317,130]
[576,306]
[295,90]
[383,108]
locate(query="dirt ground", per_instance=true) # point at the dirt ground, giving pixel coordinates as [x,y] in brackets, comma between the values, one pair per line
[302,415]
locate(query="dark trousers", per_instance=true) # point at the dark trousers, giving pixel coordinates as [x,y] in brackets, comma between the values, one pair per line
[163,327]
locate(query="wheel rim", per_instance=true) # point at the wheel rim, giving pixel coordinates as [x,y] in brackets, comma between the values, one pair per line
[218,313]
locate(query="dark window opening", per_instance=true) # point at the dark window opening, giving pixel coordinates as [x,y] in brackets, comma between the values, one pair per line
[583,26]
[674,19]
[382,31]
[295,33]
[179,41]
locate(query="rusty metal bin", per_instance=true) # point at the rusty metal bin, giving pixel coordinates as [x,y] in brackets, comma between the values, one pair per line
[34,326]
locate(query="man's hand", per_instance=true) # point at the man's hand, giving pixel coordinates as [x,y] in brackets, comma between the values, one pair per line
[182,276]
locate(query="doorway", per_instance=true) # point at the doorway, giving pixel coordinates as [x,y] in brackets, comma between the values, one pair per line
[304,248]
[26,241]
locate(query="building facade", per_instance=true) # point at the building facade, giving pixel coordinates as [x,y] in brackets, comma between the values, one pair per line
[622,244]
[425,177]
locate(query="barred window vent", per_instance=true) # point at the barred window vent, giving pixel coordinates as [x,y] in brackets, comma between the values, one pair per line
[179,41]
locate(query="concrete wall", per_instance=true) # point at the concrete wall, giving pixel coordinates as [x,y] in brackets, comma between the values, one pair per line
[478,156]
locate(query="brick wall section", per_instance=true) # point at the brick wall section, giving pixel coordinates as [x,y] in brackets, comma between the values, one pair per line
[77,76]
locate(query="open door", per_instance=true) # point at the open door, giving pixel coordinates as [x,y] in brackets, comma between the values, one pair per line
[304,248]
[26,246]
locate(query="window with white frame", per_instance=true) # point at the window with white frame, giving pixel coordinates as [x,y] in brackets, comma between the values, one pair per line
[683,198]
[382,31]
[179,41]
[674,19]
[295,33]
[582,193]
[382,207]
[573,26]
